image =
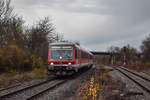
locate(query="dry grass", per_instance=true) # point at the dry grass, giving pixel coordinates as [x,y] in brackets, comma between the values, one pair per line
[12,75]
[10,78]
[89,90]
[99,87]
[139,66]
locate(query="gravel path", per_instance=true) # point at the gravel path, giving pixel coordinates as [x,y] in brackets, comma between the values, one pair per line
[66,91]
[130,88]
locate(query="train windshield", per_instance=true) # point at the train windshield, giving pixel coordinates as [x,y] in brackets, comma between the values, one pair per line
[61,53]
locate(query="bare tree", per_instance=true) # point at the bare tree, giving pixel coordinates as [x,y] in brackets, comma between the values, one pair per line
[5,9]
[145,47]
[130,54]
[6,22]
[40,35]
[17,45]
[114,49]
[11,30]
[125,54]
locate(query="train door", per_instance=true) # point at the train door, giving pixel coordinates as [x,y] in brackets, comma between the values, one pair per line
[76,55]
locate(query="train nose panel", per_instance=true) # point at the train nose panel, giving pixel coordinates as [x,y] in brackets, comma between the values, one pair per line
[60,67]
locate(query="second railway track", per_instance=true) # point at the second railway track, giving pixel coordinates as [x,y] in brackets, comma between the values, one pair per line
[32,91]
[137,78]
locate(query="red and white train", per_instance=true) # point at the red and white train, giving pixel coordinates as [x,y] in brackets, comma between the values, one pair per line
[67,58]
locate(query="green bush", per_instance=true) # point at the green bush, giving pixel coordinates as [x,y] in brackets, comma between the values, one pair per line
[37,62]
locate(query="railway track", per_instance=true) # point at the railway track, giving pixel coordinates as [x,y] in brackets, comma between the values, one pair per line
[34,96]
[32,91]
[38,90]
[137,78]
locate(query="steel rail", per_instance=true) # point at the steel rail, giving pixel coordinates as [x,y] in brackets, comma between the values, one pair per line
[45,90]
[52,87]
[26,88]
[139,82]
[136,73]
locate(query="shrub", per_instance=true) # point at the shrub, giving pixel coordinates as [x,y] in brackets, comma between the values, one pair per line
[13,58]
[37,62]
[10,73]
[147,64]
[39,73]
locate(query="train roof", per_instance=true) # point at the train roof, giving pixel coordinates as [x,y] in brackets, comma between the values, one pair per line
[62,43]
[83,49]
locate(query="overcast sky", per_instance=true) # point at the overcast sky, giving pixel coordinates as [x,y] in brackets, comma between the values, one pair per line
[96,24]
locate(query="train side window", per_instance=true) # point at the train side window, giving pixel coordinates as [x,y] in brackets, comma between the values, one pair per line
[84,55]
[90,57]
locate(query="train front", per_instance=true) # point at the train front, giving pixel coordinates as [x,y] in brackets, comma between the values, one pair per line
[61,59]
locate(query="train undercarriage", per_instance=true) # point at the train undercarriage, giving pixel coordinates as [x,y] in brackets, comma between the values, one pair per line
[65,70]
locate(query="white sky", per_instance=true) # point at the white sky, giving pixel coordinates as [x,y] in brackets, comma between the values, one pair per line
[96,24]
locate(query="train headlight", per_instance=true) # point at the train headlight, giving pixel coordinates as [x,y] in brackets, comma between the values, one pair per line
[52,63]
[60,57]
[69,63]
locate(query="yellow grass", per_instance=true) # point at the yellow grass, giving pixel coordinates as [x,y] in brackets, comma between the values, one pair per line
[89,91]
